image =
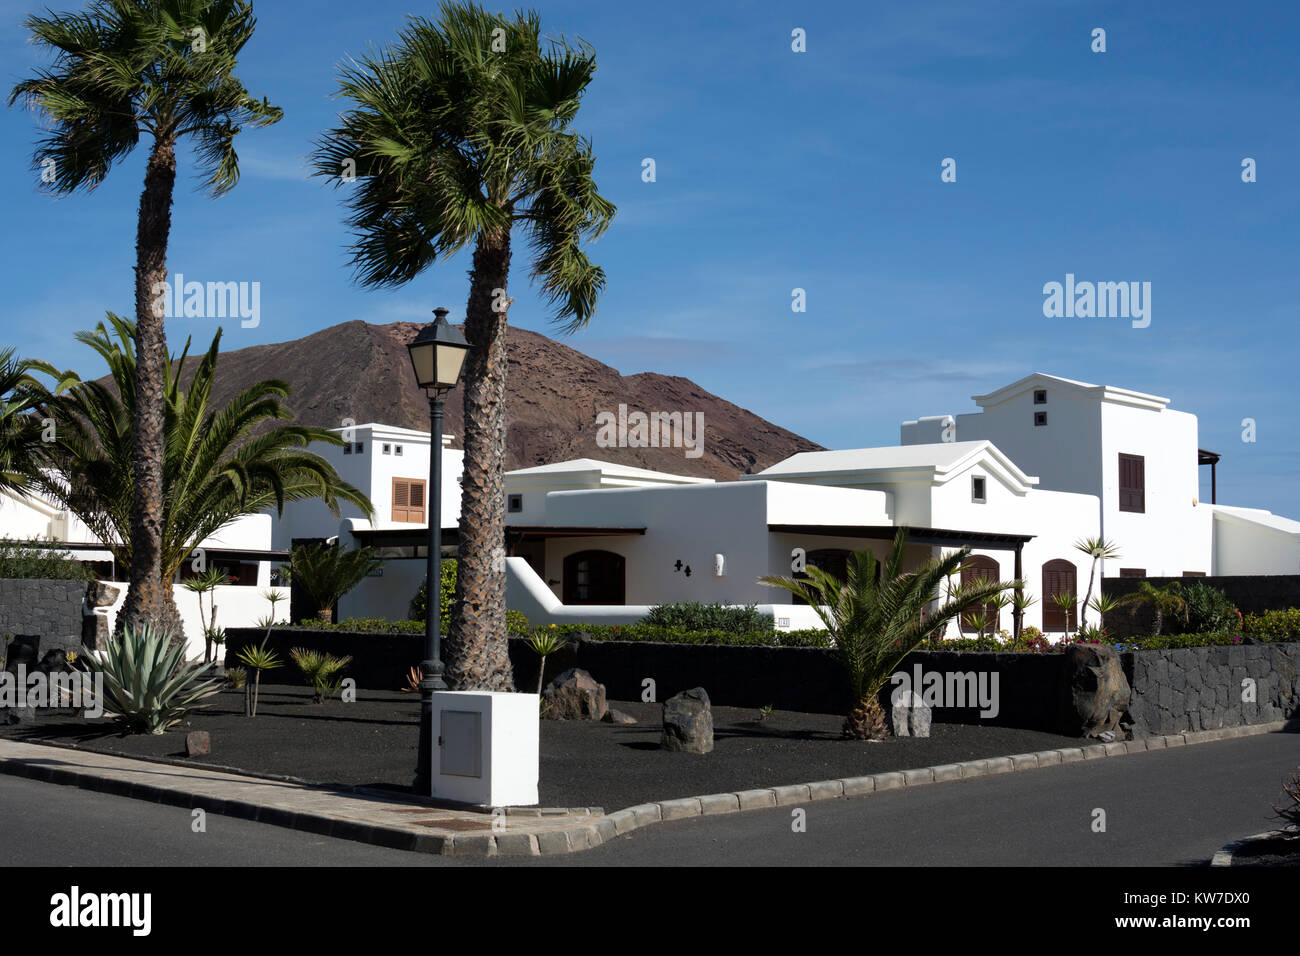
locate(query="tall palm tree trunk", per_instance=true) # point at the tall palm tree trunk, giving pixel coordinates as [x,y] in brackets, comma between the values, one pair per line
[477,650]
[150,599]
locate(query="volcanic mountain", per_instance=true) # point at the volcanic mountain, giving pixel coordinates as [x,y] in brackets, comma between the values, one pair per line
[362,372]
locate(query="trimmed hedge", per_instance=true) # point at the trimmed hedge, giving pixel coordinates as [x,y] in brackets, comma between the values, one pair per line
[693,616]
[681,635]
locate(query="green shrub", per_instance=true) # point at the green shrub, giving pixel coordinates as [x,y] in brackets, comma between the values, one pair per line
[148,685]
[1278,625]
[1163,641]
[447,585]
[517,624]
[363,625]
[1209,611]
[680,635]
[39,559]
[709,617]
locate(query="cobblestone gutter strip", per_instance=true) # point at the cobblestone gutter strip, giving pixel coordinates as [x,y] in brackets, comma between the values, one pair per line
[406,824]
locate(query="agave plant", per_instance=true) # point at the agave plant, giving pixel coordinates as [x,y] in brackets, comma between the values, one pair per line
[147,684]
[544,642]
[321,670]
[877,617]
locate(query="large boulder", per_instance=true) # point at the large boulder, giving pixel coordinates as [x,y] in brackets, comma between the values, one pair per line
[688,722]
[575,695]
[1096,693]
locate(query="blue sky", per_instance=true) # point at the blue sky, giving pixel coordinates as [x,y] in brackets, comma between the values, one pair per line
[818,170]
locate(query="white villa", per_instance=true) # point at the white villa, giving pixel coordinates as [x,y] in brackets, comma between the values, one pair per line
[1044,462]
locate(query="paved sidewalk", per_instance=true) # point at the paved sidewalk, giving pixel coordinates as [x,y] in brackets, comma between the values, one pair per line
[382,819]
[407,824]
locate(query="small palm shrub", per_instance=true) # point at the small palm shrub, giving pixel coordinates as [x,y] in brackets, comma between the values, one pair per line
[321,670]
[236,677]
[147,684]
[256,659]
[877,616]
[544,642]
[694,616]
[327,573]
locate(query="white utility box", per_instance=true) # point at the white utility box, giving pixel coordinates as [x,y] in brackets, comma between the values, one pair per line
[485,747]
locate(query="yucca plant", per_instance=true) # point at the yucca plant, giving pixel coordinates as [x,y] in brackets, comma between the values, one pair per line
[207,582]
[147,684]
[544,642]
[1099,549]
[877,618]
[237,678]
[321,670]
[256,659]
[1065,600]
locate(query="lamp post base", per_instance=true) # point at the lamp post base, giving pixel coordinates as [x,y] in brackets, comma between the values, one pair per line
[432,681]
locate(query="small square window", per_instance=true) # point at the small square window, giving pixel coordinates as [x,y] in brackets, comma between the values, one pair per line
[388,449]
[347,448]
[397,449]
[515,503]
[361,447]
[977,489]
[1040,418]
[1040,396]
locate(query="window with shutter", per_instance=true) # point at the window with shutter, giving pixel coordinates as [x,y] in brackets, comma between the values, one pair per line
[408,500]
[1059,577]
[1132,483]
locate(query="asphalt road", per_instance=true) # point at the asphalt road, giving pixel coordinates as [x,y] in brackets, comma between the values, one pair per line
[1171,807]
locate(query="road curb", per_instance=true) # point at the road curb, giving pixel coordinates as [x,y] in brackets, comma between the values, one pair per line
[588,832]
[1227,855]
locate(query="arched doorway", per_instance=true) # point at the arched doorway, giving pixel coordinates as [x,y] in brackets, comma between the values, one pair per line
[1059,577]
[980,567]
[595,577]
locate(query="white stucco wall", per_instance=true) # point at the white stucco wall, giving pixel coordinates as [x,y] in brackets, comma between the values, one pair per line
[1174,534]
[373,472]
[1243,546]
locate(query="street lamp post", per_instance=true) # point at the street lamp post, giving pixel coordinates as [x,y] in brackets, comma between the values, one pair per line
[437,354]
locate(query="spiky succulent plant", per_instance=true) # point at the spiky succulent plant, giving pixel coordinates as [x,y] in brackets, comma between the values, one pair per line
[147,684]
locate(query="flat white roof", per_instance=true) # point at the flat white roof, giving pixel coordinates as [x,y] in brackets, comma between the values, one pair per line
[591,466]
[1259,516]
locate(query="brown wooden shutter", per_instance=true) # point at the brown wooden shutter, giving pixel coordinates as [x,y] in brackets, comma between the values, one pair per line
[980,567]
[1059,577]
[408,500]
[1132,483]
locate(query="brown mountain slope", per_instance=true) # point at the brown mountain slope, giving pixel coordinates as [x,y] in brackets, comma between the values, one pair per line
[362,372]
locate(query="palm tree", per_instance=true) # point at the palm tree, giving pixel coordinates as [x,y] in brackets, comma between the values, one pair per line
[327,573]
[456,135]
[1166,600]
[121,69]
[1098,549]
[875,620]
[220,463]
[22,434]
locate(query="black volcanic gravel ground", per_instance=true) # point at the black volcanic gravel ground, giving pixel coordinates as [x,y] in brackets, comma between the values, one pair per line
[372,743]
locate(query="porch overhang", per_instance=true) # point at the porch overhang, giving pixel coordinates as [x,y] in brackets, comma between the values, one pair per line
[942,537]
[412,543]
